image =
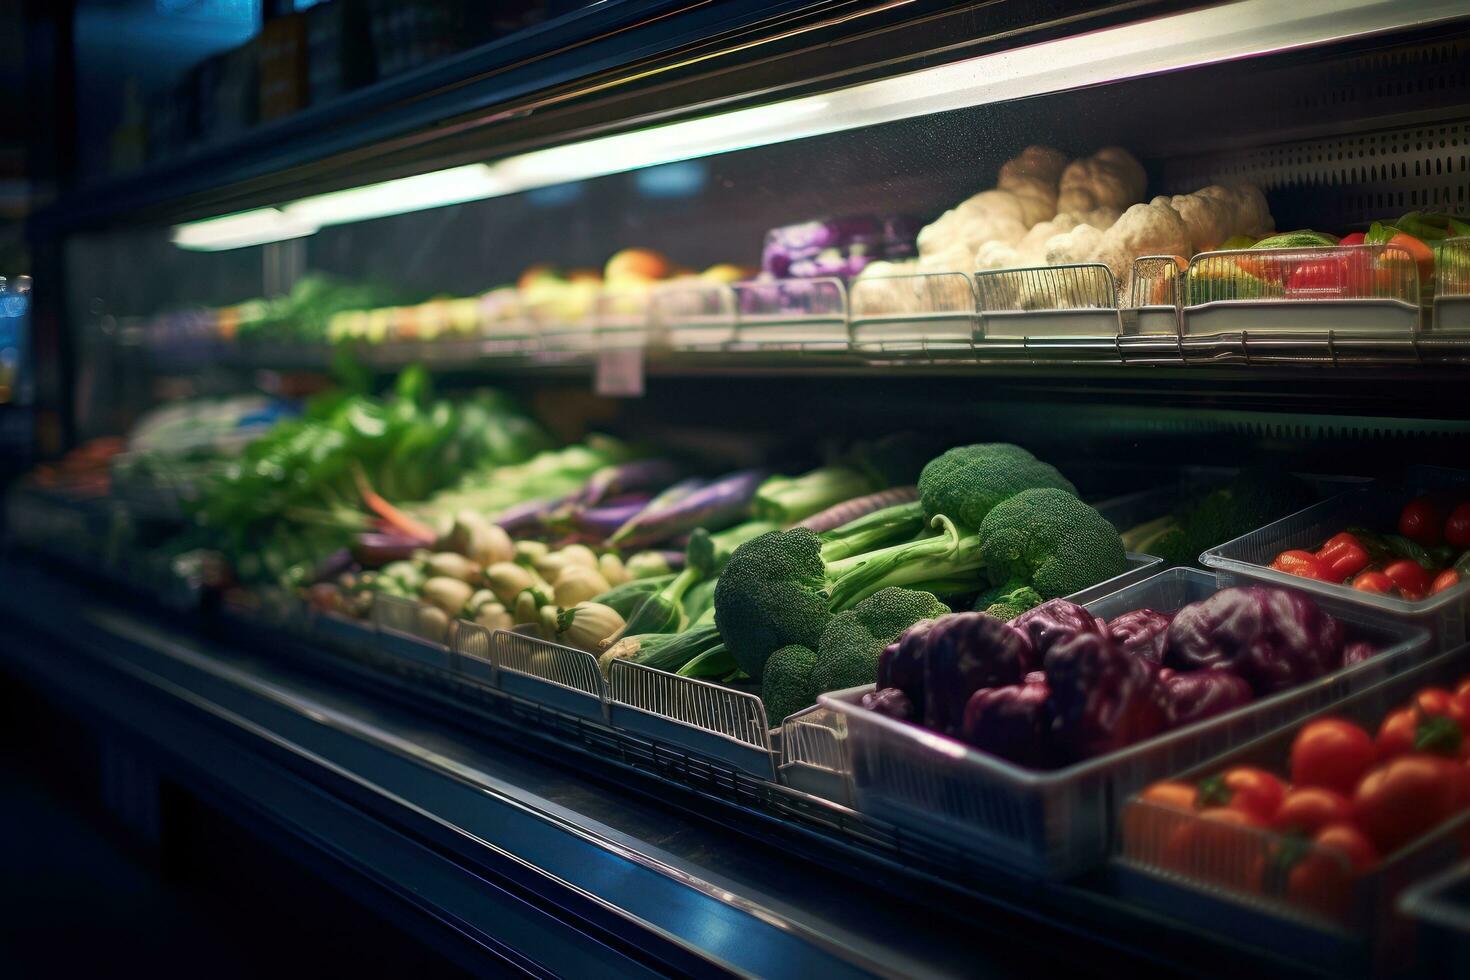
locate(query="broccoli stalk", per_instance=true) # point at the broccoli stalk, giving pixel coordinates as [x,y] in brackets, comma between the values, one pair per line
[876,530]
[663,611]
[947,553]
[785,500]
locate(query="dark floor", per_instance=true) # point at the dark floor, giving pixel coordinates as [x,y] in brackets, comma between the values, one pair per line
[82,894]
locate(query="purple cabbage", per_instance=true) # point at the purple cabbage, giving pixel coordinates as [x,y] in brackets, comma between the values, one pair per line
[962,653]
[1273,638]
[1102,699]
[1141,633]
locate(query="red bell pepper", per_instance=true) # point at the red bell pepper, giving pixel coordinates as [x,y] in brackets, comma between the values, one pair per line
[1410,578]
[1301,563]
[1342,557]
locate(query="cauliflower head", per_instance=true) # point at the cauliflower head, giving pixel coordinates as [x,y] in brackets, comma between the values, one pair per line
[1032,176]
[1111,177]
[1144,229]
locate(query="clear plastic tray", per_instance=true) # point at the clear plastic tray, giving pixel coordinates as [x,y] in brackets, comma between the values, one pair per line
[791,315]
[470,656]
[1060,303]
[814,755]
[1215,884]
[693,315]
[1057,823]
[919,317]
[1247,557]
[1440,907]
[1151,311]
[1452,290]
[621,316]
[1335,303]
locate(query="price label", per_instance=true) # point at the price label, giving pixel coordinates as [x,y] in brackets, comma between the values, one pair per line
[620,373]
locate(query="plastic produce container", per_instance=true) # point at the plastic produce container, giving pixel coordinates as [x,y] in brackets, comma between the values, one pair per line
[1216,885]
[1246,558]
[918,317]
[1440,908]
[1057,823]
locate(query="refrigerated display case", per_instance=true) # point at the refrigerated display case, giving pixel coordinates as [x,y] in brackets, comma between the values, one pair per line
[756,239]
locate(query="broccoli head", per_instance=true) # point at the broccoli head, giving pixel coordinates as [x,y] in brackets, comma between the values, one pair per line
[787,685]
[1253,498]
[1053,541]
[847,655]
[771,595]
[1009,603]
[777,588]
[964,483]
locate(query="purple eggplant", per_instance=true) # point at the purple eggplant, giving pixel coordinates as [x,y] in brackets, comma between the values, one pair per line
[622,478]
[890,702]
[333,565]
[597,523]
[713,507]
[530,515]
[850,510]
[375,549]
[1013,722]
[1141,633]
[1201,694]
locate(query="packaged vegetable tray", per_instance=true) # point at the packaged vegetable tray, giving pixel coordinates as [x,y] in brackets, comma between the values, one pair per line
[1440,910]
[1378,508]
[1057,823]
[1285,892]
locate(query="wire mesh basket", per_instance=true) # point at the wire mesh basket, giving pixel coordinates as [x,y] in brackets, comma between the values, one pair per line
[548,673]
[471,652]
[814,756]
[1151,309]
[929,316]
[791,315]
[1334,303]
[695,715]
[1062,307]
[693,315]
[413,630]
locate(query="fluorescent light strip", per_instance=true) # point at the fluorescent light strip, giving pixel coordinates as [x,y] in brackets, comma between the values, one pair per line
[1200,37]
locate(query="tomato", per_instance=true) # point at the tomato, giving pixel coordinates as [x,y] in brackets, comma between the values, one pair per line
[1307,809]
[1413,729]
[1457,526]
[1420,521]
[1322,879]
[1177,795]
[1217,846]
[1409,577]
[1347,275]
[1447,579]
[1255,791]
[1342,557]
[1356,238]
[1375,582]
[1331,753]
[1298,562]
[1422,254]
[1407,797]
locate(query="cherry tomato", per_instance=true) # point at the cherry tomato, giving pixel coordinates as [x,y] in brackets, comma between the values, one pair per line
[1307,809]
[1171,793]
[1301,563]
[1406,797]
[1375,582]
[1356,238]
[1246,788]
[1331,753]
[1410,730]
[1447,579]
[1457,526]
[1420,521]
[1218,846]
[1422,254]
[1322,879]
[1409,577]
